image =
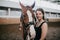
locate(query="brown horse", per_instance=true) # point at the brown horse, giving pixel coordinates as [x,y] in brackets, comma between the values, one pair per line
[27,20]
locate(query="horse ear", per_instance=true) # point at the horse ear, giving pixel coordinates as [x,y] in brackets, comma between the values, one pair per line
[21,4]
[33,5]
[23,7]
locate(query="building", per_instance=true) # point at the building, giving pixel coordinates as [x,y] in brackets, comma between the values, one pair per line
[54,1]
[9,11]
[13,10]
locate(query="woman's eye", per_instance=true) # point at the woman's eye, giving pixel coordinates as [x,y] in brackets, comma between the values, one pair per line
[36,14]
[39,13]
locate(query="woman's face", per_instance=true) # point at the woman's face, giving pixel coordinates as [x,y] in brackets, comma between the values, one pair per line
[39,15]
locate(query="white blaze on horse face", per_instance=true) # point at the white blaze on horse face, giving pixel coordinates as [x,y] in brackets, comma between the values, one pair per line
[29,16]
[32,30]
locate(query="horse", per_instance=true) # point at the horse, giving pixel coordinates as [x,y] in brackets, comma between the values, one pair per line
[27,21]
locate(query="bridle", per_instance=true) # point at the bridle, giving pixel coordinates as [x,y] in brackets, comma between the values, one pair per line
[26,24]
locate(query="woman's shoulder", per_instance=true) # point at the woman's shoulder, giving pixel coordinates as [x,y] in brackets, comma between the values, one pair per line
[44,24]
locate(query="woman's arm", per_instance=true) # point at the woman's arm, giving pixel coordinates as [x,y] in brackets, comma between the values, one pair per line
[44,31]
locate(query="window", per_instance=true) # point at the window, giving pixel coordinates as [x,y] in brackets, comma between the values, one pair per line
[58,15]
[47,14]
[15,12]
[9,12]
[3,11]
[53,15]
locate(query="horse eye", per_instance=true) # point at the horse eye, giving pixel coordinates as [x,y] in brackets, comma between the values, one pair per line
[24,15]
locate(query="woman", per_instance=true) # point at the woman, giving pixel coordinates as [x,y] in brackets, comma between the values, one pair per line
[41,25]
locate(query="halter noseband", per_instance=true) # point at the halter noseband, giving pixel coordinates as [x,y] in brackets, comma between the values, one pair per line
[26,24]
[29,23]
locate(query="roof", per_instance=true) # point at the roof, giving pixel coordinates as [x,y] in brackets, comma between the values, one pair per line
[47,6]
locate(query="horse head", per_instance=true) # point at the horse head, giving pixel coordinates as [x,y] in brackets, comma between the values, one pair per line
[25,10]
